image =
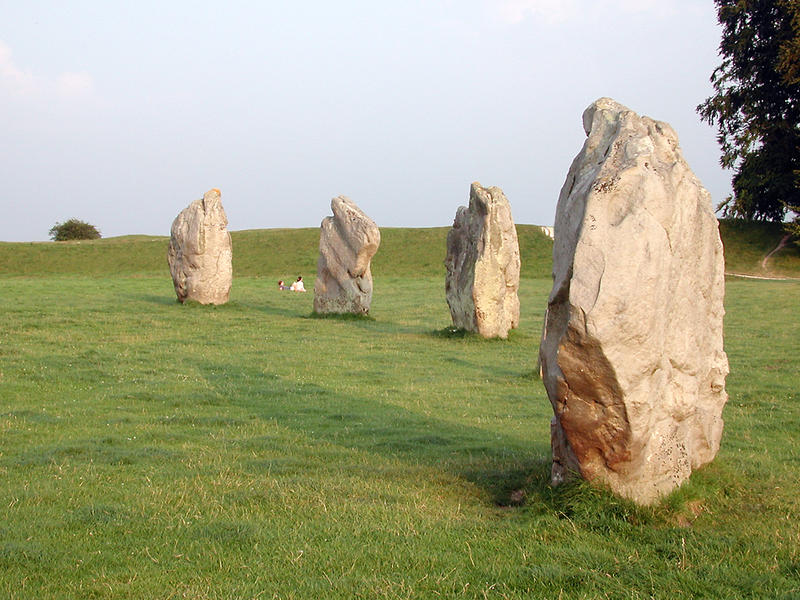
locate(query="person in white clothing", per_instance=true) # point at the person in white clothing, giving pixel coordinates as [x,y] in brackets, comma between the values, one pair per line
[298,286]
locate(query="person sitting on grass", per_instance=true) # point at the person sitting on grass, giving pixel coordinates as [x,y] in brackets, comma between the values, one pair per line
[298,286]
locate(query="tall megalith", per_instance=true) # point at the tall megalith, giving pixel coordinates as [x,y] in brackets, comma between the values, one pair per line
[347,242]
[483,264]
[200,252]
[631,351]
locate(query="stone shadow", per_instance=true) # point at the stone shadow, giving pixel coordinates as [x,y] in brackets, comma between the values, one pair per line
[511,470]
[245,306]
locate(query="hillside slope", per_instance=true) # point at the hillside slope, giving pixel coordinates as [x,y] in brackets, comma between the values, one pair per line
[747,243]
[276,253]
[404,252]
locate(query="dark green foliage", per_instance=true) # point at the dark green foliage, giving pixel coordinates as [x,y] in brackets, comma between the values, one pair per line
[73,230]
[765,177]
[756,107]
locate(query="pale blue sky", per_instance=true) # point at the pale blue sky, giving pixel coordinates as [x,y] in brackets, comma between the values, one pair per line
[121,114]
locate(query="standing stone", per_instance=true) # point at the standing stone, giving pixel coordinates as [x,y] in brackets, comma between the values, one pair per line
[631,351]
[347,242]
[483,265]
[200,252]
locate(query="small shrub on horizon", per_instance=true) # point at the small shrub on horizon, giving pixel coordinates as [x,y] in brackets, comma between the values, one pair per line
[73,230]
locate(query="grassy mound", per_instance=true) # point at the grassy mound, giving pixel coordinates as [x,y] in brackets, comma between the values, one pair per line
[404,252]
[747,243]
[126,255]
[274,253]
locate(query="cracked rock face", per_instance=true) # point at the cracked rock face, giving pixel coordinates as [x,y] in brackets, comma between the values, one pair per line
[631,351]
[200,252]
[347,242]
[483,265]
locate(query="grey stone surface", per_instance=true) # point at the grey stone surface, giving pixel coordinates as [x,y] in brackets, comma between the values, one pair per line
[483,265]
[200,252]
[632,351]
[347,242]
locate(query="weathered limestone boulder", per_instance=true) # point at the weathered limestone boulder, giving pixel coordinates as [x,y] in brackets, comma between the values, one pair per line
[631,352]
[347,242]
[200,252]
[483,265]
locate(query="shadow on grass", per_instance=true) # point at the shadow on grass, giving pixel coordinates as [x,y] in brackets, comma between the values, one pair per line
[161,300]
[172,300]
[456,333]
[381,325]
[459,333]
[107,450]
[342,317]
[271,309]
[231,306]
[512,471]
[365,321]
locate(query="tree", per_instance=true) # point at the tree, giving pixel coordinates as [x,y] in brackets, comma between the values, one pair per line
[73,230]
[756,107]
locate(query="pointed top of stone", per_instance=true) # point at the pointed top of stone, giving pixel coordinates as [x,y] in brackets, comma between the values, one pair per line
[610,108]
[343,207]
[212,199]
[482,198]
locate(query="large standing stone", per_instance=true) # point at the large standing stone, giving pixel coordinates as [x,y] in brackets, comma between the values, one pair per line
[483,265]
[347,242]
[631,351]
[200,252]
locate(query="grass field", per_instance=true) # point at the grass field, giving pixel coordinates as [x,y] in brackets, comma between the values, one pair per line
[285,253]
[157,450]
[746,244]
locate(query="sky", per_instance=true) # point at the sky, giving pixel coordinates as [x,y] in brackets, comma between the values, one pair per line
[122,113]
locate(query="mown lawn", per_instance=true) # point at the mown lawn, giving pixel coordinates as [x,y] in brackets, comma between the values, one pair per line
[154,450]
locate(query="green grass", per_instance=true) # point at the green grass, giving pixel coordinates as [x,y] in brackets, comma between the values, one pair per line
[275,253]
[286,253]
[126,255]
[156,450]
[747,243]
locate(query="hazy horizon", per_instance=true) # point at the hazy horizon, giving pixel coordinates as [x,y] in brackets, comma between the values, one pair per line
[129,112]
